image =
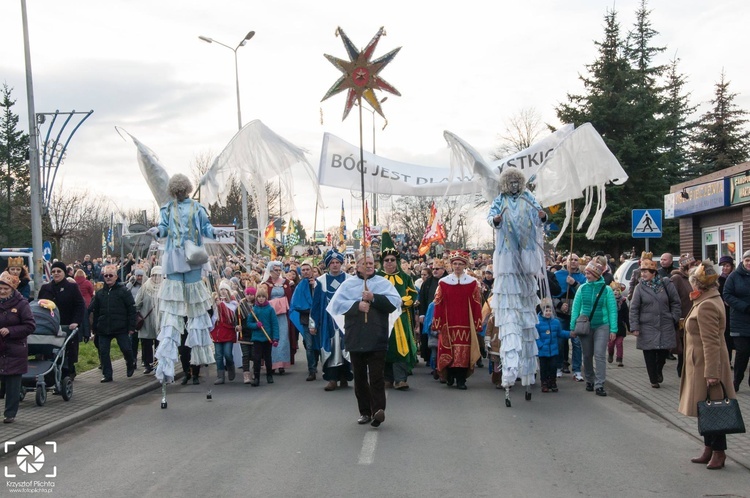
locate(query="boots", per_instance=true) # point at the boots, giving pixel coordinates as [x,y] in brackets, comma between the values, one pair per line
[256,381]
[185,379]
[246,378]
[619,361]
[717,460]
[610,358]
[269,379]
[230,372]
[545,387]
[331,386]
[219,377]
[705,457]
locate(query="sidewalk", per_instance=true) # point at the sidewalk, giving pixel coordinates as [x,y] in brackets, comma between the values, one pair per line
[90,397]
[631,382]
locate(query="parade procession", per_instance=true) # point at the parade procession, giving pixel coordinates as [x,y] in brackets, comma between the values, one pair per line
[577,298]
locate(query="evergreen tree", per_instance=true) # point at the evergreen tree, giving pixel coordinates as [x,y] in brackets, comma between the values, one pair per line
[625,103]
[14,175]
[721,138]
[677,110]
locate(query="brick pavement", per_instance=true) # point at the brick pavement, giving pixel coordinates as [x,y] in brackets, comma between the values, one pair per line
[90,397]
[631,382]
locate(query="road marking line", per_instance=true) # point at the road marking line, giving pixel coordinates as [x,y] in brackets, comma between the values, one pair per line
[368,448]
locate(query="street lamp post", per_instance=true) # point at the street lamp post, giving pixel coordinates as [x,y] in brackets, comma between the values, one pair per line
[245,217]
[374,194]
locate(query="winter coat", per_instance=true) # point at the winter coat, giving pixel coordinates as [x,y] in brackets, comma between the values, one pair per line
[226,321]
[706,354]
[15,314]
[683,288]
[623,317]
[550,331]
[146,304]
[68,299]
[113,309]
[267,316]
[737,296]
[606,309]
[86,288]
[655,316]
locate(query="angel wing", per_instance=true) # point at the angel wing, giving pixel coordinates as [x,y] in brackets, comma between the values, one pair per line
[152,170]
[465,159]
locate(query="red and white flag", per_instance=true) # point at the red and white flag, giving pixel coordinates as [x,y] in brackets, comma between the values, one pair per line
[435,231]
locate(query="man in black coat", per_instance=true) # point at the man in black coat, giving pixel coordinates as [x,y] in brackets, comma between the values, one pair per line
[426,296]
[69,301]
[113,309]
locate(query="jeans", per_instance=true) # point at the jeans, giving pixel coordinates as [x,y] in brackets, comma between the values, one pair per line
[222,353]
[105,343]
[310,351]
[594,347]
[562,347]
[369,384]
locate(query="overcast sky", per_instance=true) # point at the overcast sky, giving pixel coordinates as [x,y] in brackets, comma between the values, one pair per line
[464,66]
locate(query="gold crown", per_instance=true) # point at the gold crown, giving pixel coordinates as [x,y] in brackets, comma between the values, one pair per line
[15,262]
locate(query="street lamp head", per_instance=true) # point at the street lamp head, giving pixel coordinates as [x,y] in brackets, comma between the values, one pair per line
[206,39]
[249,35]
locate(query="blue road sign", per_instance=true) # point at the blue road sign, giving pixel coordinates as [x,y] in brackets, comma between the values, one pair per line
[647,223]
[47,250]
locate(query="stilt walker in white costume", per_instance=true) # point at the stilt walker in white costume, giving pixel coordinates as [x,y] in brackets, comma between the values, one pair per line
[184,299]
[518,262]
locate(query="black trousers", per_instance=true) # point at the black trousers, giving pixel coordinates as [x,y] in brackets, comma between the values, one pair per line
[134,346]
[369,382]
[655,360]
[716,443]
[261,351]
[105,343]
[12,385]
[147,355]
[184,352]
[741,358]
[339,373]
[459,374]
[548,369]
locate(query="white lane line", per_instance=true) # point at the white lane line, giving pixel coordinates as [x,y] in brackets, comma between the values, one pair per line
[368,448]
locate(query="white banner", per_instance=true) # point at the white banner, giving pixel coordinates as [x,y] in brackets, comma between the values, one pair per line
[339,167]
[529,160]
[224,234]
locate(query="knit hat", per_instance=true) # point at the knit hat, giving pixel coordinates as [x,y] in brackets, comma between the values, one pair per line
[746,254]
[60,265]
[225,285]
[595,268]
[140,272]
[726,259]
[250,291]
[9,280]
[156,270]
[686,260]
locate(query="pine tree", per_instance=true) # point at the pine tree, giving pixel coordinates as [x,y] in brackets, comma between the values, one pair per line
[625,103]
[14,175]
[677,110]
[722,139]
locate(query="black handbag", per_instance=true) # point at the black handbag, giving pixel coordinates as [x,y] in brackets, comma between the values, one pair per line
[720,416]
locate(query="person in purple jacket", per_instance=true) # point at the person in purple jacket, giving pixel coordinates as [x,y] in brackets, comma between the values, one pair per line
[16,323]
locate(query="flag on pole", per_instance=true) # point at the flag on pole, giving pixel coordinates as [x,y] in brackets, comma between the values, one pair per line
[367,236]
[104,245]
[110,241]
[269,238]
[435,231]
[342,229]
[292,234]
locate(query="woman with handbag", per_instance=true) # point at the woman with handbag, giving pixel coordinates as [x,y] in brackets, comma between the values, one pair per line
[706,357]
[147,306]
[654,312]
[595,305]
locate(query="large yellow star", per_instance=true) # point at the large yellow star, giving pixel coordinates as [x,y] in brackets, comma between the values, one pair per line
[360,74]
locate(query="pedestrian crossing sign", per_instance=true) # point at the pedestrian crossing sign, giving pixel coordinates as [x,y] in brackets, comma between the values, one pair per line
[647,223]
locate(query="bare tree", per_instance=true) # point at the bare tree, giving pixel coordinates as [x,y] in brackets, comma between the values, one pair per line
[521,131]
[70,217]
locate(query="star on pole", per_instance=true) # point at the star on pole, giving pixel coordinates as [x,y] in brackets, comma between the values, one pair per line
[361,75]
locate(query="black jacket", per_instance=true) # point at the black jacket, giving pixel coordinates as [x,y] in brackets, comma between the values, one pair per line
[427,293]
[737,296]
[371,333]
[113,309]
[68,299]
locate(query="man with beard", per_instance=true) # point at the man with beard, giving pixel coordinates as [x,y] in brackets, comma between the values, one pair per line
[336,366]
[570,279]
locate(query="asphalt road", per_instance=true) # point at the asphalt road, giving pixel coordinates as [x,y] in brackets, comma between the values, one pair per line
[293,439]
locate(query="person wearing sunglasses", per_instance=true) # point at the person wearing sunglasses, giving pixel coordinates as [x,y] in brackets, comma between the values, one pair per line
[113,309]
[655,310]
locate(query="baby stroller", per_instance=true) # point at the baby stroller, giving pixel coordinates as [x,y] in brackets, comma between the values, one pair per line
[47,347]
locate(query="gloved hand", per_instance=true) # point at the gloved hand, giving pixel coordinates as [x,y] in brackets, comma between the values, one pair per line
[275,343]
[260,325]
[153,231]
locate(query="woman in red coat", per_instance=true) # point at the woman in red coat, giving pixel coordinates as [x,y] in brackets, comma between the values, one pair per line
[16,323]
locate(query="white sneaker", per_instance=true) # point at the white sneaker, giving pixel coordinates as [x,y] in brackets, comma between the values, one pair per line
[578,377]
[559,372]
